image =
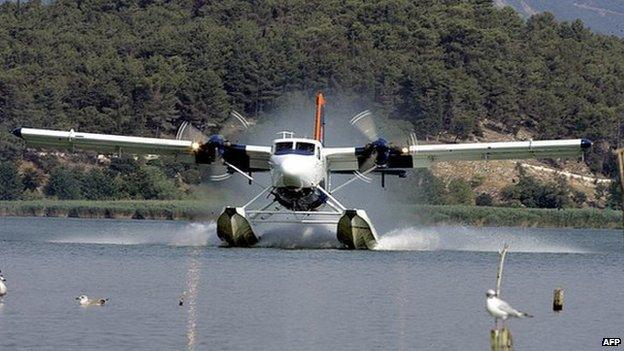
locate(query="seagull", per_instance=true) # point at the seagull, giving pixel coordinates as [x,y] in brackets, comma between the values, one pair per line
[3,288]
[498,308]
[86,301]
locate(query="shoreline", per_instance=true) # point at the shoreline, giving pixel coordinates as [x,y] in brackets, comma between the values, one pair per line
[195,210]
[122,209]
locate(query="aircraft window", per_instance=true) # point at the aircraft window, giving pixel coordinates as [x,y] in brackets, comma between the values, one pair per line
[283,148]
[305,148]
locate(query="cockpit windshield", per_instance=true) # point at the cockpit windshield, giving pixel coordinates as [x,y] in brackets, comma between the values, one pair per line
[305,148]
[301,148]
[283,148]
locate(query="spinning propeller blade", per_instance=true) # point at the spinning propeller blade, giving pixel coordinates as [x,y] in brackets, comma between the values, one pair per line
[214,145]
[189,132]
[378,151]
[234,126]
[364,122]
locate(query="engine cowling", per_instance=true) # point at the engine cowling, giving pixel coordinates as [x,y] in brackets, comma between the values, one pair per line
[211,150]
[379,152]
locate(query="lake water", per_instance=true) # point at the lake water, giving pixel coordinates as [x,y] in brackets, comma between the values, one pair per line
[424,290]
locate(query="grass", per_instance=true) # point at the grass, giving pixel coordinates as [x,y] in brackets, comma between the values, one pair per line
[517,217]
[140,209]
[423,214]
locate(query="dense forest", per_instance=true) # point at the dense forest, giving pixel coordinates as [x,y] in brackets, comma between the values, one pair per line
[144,66]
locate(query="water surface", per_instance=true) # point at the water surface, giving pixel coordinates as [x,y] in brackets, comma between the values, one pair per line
[424,290]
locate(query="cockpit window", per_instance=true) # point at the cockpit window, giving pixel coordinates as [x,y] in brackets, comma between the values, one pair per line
[283,148]
[305,148]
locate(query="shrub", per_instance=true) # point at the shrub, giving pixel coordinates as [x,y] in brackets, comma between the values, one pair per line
[530,192]
[10,181]
[484,199]
[97,185]
[459,193]
[64,184]
[32,179]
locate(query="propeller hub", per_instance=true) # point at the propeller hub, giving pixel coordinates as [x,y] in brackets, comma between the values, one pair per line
[381,149]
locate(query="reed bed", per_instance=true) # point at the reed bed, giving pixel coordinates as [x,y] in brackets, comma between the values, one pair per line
[422,214]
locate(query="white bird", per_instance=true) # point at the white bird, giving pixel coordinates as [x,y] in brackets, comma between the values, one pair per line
[498,308]
[84,300]
[3,288]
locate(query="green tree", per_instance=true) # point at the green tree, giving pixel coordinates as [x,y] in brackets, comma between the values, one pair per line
[98,185]
[532,193]
[614,195]
[149,183]
[484,199]
[459,192]
[64,184]
[429,188]
[32,179]
[10,181]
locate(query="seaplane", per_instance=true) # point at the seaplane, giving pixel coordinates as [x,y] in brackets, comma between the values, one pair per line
[300,169]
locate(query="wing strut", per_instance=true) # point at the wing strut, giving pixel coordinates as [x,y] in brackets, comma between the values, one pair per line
[356,175]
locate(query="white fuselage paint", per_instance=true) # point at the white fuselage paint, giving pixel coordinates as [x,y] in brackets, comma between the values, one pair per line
[292,168]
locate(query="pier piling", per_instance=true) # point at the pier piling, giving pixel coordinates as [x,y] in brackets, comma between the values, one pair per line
[501,340]
[558,300]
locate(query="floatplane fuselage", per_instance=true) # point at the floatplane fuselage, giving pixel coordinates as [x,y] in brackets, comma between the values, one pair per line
[301,169]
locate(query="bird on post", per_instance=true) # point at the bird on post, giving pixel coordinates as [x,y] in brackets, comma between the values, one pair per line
[500,309]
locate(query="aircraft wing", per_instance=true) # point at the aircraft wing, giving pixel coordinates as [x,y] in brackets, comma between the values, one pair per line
[104,143]
[244,157]
[423,156]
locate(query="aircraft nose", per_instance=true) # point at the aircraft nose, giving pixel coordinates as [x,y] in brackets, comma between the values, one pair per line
[293,172]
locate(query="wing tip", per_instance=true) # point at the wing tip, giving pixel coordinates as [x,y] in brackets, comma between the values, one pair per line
[586,144]
[17,132]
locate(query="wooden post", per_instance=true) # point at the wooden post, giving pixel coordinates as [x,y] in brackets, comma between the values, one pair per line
[620,155]
[501,340]
[558,300]
[499,274]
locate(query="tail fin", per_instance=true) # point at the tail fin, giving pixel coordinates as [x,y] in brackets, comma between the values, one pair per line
[319,124]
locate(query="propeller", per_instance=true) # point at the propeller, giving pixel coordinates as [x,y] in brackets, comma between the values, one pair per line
[188,131]
[364,122]
[210,149]
[378,150]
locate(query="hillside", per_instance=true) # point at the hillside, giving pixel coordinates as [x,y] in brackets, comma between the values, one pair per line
[445,68]
[603,16]
[494,176]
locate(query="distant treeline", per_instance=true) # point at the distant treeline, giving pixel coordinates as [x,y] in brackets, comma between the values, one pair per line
[527,191]
[117,178]
[142,66]
[82,178]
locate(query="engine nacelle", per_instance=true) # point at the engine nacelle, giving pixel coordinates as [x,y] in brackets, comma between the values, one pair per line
[211,150]
[378,151]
